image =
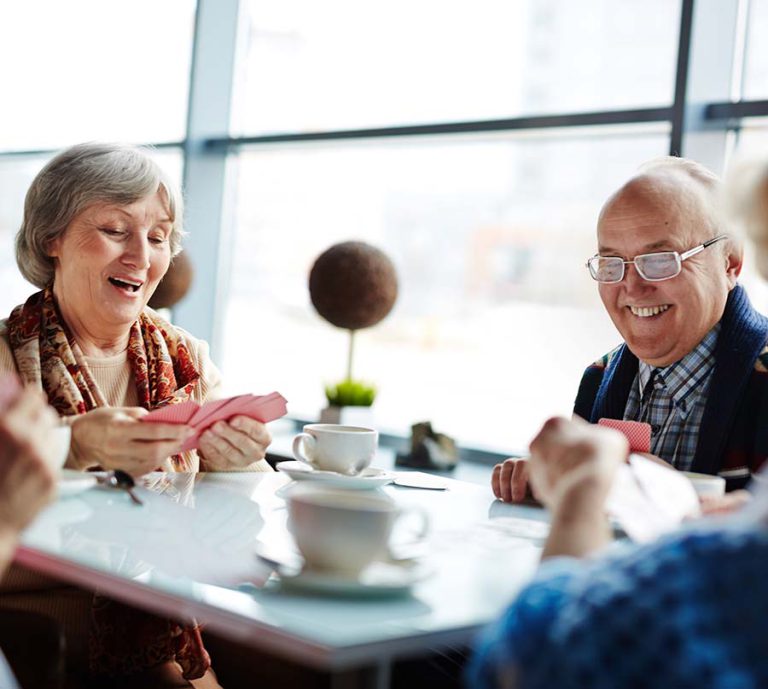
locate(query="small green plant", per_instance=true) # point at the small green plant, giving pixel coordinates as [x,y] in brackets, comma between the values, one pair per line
[350,393]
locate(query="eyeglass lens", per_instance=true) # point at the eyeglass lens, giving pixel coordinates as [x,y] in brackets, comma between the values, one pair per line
[658,266]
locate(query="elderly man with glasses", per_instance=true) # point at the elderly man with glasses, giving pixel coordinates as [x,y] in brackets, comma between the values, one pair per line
[694,359]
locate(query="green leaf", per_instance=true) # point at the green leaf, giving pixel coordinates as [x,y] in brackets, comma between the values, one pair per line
[350,393]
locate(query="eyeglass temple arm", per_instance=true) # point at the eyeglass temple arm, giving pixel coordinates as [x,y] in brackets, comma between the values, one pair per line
[701,247]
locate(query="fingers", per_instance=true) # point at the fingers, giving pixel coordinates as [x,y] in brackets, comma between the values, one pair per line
[218,452]
[155,432]
[114,438]
[519,480]
[724,504]
[255,430]
[509,480]
[236,443]
[496,481]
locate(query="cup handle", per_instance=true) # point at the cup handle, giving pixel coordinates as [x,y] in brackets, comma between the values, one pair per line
[421,533]
[308,442]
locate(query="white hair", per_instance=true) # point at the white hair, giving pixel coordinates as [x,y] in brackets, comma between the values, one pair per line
[76,178]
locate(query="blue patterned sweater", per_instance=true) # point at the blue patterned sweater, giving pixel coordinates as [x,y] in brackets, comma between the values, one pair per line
[687,612]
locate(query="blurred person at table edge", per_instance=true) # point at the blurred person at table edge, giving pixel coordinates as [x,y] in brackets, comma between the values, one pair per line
[102,222]
[26,478]
[688,611]
[694,361]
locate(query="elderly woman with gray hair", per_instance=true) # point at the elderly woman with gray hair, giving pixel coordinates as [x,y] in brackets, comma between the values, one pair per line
[101,225]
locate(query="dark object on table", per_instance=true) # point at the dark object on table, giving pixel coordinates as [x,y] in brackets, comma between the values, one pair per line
[429,450]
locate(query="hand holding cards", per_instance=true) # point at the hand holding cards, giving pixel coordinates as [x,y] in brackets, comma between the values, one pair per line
[263,408]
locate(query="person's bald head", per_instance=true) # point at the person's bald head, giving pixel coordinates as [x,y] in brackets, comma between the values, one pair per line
[688,191]
[671,204]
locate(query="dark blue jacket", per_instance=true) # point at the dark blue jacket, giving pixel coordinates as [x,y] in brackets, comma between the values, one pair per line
[733,439]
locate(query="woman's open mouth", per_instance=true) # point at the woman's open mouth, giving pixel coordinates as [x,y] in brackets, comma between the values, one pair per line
[125,284]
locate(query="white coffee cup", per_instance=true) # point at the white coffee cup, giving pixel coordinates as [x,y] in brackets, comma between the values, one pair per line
[706,485]
[331,447]
[57,448]
[342,531]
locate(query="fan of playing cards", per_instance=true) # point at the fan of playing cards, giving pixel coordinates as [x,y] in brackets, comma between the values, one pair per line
[263,408]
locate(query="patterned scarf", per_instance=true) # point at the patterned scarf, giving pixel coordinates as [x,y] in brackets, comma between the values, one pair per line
[123,640]
[47,356]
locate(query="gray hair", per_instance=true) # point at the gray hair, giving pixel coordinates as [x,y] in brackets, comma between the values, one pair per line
[76,178]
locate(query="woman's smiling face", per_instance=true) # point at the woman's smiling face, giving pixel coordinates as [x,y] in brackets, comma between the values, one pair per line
[109,261]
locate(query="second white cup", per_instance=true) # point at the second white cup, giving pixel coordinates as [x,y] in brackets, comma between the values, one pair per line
[343,531]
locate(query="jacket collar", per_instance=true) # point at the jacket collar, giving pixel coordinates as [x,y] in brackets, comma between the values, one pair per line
[742,337]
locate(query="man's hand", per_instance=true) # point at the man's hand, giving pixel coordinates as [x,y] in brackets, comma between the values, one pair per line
[724,504]
[509,479]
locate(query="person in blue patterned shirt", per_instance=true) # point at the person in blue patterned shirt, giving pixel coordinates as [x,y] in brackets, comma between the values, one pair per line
[694,362]
[27,481]
[689,611]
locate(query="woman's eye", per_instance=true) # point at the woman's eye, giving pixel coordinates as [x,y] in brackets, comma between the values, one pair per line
[158,240]
[111,231]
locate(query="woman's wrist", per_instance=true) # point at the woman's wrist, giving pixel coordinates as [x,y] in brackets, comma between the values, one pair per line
[75,458]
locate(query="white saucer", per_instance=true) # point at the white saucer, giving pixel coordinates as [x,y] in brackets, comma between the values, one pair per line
[365,480]
[72,482]
[377,580]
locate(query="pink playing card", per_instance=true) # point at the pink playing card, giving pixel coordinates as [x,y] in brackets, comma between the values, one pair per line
[173,413]
[206,410]
[637,432]
[266,408]
[263,408]
[230,408]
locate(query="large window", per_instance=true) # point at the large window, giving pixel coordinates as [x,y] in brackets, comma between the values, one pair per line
[756,60]
[473,142]
[343,64]
[489,237]
[82,70]
[489,231]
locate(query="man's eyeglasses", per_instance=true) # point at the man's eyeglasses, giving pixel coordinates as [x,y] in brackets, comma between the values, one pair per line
[655,267]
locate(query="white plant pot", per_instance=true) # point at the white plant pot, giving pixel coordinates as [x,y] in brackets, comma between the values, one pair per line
[348,416]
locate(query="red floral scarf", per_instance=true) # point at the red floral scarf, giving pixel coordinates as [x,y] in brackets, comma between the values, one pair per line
[123,640]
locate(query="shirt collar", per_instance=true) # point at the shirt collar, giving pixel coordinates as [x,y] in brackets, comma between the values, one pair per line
[683,378]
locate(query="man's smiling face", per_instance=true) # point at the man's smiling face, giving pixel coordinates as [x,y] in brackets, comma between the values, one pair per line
[661,322]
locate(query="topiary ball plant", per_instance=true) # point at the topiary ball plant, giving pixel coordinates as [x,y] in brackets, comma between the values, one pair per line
[352,285]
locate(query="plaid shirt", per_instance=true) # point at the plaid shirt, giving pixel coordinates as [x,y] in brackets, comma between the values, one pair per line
[672,400]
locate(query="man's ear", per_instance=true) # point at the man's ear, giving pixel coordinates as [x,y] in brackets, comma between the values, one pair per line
[734,262]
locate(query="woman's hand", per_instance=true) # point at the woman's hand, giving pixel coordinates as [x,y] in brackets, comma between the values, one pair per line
[115,438]
[234,444]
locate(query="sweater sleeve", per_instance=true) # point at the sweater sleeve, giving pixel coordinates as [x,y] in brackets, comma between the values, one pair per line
[7,362]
